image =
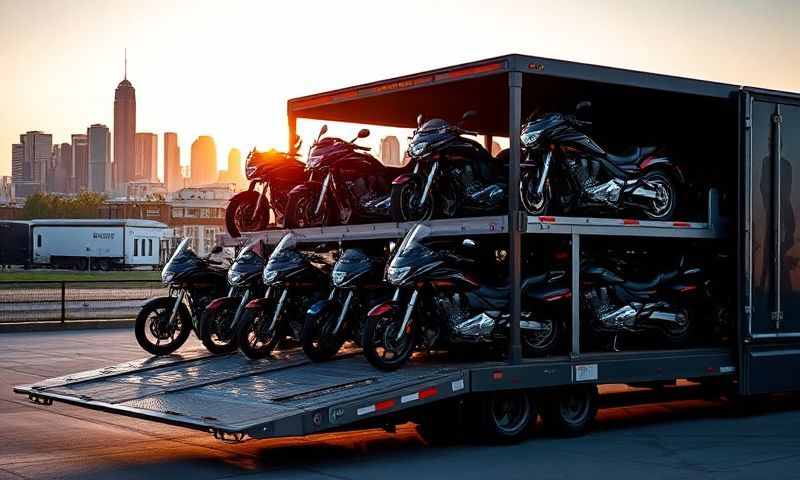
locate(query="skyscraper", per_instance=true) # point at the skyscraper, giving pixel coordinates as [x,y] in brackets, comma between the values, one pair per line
[173,179]
[30,159]
[145,158]
[80,163]
[124,131]
[204,161]
[234,173]
[99,140]
[58,179]
[390,151]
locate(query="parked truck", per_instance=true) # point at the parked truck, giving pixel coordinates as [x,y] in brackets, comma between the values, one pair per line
[735,139]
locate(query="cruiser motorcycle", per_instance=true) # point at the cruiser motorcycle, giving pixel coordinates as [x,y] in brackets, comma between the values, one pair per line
[662,306]
[563,169]
[438,303]
[357,286]
[346,185]
[452,175]
[164,323]
[220,317]
[277,173]
[294,281]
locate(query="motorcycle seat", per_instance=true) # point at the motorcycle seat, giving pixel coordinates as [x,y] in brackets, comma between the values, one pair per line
[635,155]
[654,282]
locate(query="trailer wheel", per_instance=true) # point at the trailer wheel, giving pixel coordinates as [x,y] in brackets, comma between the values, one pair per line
[571,411]
[507,416]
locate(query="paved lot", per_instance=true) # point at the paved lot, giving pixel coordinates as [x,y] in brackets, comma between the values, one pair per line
[685,439]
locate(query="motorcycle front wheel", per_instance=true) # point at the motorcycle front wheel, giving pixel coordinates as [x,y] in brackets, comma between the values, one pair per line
[152,329]
[405,202]
[256,340]
[240,211]
[381,346]
[216,330]
[300,210]
[533,202]
[317,337]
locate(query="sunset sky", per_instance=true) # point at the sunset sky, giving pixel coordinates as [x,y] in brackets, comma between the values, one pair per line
[227,68]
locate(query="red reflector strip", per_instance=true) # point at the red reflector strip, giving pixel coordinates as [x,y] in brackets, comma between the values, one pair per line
[681,224]
[547,219]
[421,395]
[630,221]
[498,375]
[385,404]
[428,392]
[558,297]
[490,67]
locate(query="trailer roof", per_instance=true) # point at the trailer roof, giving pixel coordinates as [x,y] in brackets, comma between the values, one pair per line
[95,222]
[481,86]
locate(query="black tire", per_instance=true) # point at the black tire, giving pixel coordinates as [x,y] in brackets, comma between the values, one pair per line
[405,202]
[253,342]
[507,416]
[665,209]
[300,210]
[317,338]
[158,310]
[539,344]
[239,214]
[216,330]
[681,334]
[530,201]
[380,332]
[570,411]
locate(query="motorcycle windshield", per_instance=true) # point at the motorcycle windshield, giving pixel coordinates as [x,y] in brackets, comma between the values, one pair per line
[352,264]
[324,150]
[249,262]
[411,251]
[181,260]
[284,259]
[533,132]
[427,137]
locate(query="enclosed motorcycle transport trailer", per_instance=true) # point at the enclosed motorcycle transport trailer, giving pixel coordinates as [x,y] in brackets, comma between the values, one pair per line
[731,137]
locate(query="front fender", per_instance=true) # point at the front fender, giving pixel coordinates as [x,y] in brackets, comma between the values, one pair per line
[404,178]
[386,308]
[309,186]
[321,307]
[258,303]
[214,306]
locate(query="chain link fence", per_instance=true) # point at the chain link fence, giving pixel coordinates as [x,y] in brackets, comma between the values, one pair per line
[47,301]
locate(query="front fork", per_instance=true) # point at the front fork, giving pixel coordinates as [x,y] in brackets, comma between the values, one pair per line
[176,306]
[426,190]
[322,193]
[240,308]
[545,169]
[257,210]
[278,309]
[343,313]
[409,311]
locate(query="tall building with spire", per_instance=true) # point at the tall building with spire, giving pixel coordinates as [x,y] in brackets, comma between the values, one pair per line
[124,131]
[173,178]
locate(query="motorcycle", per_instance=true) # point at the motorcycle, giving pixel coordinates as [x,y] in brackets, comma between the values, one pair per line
[662,305]
[346,185]
[357,286]
[452,174]
[563,168]
[164,323]
[294,282]
[220,317]
[277,173]
[436,302]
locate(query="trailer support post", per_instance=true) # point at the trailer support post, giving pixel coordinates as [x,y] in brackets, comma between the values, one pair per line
[575,325]
[515,224]
[63,301]
[292,119]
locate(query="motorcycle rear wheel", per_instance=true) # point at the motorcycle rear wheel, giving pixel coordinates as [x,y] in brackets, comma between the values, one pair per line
[152,321]
[405,202]
[216,331]
[319,342]
[239,214]
[663,209]
[534,345]
[300,211]
[680,335]
[381,347]
[253,341]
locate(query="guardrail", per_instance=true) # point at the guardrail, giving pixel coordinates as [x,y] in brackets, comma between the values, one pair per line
[49,301]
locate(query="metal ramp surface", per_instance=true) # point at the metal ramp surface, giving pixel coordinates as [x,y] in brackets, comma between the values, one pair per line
[232,396]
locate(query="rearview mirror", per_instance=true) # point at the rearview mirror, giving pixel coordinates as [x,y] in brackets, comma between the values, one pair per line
[419,120]
[468,114]
[298,142]
[322,131]
[363,133]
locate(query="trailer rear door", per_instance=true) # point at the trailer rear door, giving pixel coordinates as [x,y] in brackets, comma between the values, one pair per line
[770,326]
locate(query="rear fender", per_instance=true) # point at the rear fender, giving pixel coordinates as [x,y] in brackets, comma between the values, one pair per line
[662,163]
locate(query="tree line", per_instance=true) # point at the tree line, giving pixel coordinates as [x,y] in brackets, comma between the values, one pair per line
[47,205]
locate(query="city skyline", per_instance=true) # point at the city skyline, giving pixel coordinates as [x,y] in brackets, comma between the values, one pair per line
[193,83]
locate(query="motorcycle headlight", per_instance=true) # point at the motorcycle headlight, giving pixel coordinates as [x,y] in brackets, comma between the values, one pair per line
[249,171]
[270,276]
[234,278]
[530,137]
[417,149]
[167,277]
[338,278]
[397,274]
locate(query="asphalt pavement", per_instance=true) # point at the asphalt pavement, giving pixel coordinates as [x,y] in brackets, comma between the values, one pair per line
[675,440]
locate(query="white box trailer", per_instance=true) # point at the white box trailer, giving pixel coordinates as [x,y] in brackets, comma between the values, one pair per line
[96,243]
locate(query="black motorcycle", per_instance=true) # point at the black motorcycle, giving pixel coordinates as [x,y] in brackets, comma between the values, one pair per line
[294,281]
[452,175]
[563,169]
[217,327]
[661,306]
[163,324]
[438,302]
[277,173]
[346,185]
[357,286]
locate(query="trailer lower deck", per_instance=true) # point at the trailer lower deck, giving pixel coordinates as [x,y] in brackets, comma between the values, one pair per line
[234,398]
